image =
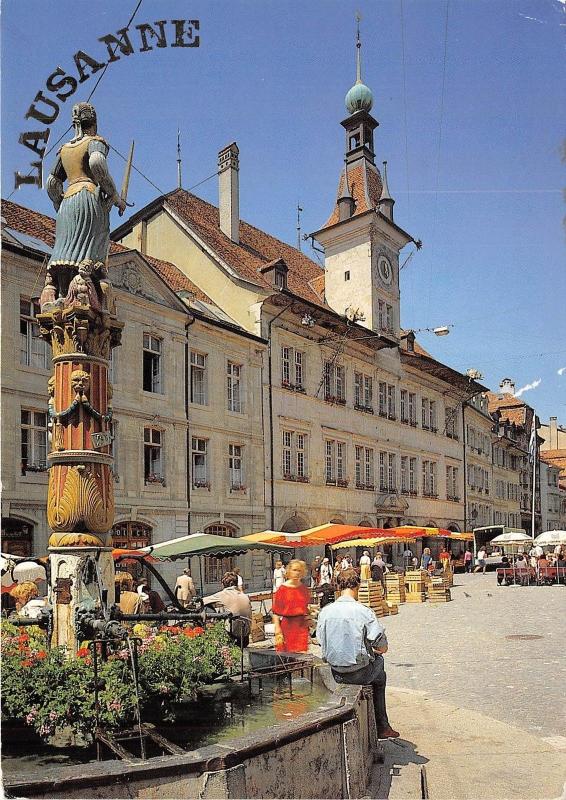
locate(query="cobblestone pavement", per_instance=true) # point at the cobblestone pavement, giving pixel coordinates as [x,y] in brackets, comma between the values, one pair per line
[460,653]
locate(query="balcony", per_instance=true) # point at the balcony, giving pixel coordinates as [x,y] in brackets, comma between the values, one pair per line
[364,409]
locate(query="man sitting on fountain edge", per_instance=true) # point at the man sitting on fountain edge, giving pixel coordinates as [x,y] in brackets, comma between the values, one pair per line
[353,642]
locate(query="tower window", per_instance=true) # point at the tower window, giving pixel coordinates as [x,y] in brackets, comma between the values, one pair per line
[355,140]
[347,275]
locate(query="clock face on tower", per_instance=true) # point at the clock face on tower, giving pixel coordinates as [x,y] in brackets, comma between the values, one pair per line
[384,269]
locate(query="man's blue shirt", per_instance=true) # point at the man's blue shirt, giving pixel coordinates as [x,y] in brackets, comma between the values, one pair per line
[346,630]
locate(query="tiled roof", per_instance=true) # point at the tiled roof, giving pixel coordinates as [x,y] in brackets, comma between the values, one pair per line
[175,279]
[255,249]
[557,458]
[497,400]
[30,222]
[317,285]
[365,186]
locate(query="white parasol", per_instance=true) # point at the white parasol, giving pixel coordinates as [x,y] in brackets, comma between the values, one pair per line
[512,537]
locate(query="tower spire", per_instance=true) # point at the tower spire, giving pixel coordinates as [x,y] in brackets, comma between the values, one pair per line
[386,202]
[179,181]
[346,203]
[358,50]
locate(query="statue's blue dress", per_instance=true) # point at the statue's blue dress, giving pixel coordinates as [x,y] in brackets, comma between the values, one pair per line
[83,220]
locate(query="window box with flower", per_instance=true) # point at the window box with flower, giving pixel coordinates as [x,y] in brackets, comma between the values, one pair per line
[342,482]
[238,487]
[153,478]
[201,485]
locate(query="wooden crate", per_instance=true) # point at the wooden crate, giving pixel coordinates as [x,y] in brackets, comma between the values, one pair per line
[371,594]
[257,633]
[395,587]
[415,581]
[438,591]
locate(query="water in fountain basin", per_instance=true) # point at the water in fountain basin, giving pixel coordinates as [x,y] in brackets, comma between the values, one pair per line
[199,724]
[208,723]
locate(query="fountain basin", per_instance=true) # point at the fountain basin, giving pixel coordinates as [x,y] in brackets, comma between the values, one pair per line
[325,753]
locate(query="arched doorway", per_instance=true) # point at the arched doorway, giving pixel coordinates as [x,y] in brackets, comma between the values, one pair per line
[131,535]
[17,537]
[215,567]
[434,543]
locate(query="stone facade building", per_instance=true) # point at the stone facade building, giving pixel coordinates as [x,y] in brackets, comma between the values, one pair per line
[361,425]
[517,418]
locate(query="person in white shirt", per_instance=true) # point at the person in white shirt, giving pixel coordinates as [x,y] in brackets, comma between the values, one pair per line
[344,563]
[365,565]
[325,572]
[482,555]
[185,588]
[407,557]
[240,579]
[278,575]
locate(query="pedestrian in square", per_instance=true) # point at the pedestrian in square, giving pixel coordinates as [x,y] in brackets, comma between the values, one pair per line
[353,642]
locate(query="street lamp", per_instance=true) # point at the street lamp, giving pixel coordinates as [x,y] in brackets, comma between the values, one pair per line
[441,330]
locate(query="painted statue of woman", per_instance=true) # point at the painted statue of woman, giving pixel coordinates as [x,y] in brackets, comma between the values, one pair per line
[82,232]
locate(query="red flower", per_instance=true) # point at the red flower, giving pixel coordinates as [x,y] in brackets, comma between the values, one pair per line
[27,663]
[198,631]
[83,652]
[188,631]
[23,637]
[174,630]
[41,654]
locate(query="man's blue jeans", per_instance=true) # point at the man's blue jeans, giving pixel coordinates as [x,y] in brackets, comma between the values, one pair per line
[372,675]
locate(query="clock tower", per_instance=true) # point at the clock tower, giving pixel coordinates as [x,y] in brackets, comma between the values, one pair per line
[361,241]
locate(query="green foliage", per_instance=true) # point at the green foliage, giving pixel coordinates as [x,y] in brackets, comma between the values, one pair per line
[50,690]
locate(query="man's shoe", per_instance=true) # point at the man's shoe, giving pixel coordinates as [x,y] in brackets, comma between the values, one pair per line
[388,733]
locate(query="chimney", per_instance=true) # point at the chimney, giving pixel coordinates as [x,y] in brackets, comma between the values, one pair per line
[229,192]
[507,386]
[553,425]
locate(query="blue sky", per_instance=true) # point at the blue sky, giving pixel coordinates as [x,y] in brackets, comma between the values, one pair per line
[471,102]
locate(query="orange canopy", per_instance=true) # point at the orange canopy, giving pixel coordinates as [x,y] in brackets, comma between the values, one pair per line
[417,531]
[330,533]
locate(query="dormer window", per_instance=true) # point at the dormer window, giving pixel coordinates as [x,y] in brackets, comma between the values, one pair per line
[276,272]
[280,279]
[411,342]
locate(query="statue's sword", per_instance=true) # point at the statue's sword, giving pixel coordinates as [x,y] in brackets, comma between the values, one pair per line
[126,180]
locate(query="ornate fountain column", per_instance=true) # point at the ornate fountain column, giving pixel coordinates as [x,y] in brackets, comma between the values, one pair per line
[78,318]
